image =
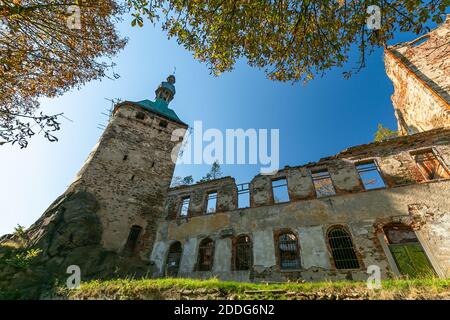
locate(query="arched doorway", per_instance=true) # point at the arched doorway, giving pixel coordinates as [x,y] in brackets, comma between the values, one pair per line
[407,251]
[205,255]
[288,251]
[173,259]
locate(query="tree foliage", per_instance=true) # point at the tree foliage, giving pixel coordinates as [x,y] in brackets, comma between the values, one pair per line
[214,173]
[179,181]
[43,55]
[384,133]
[291,40]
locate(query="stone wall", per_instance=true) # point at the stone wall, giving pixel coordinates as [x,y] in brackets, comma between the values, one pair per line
[129,172]
[420,72]
[123,183]
[407,197]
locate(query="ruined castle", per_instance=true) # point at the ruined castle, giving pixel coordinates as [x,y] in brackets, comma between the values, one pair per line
[383,204]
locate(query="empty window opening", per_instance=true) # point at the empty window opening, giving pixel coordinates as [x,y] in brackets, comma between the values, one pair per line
[243,195]
[370,175]
[184,212]
[140,115]
[430,166]
[243,259]
[211,204]
[133,237]
[132,177]
[205,255]
[163,124]
[407,251]
[323,183]
[342,250]
[173,259]
[288,251]
[125,157]
[280,191]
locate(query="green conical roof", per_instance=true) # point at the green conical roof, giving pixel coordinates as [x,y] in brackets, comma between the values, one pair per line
[160,107]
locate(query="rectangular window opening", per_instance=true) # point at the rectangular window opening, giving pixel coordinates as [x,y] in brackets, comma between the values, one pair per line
[280,191]
[133,237]
[323,183]
[185,207]
[243,195]
[370,175]
[140,115]
[211,205]
[429,165]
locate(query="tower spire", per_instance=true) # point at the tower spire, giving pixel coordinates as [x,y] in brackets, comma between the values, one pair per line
[166,90]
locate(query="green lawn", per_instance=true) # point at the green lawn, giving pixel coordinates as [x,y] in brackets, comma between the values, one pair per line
[214,289]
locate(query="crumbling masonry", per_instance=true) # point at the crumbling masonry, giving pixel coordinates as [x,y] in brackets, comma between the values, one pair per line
[383,204]
[401,224]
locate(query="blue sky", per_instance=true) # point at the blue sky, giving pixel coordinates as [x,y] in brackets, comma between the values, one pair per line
[327,115]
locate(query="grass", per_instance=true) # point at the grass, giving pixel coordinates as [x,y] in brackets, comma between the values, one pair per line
[125,289]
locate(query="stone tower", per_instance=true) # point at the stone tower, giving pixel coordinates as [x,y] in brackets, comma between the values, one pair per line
[130,170]
[106,221]
[420,72]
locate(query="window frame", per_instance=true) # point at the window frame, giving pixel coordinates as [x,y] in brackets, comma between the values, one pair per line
[378,169]
[283,185]
[236,255]
[166,265]
[180,211]
[317,170]
[200,253]
[353,248]
[243,189]
[208,194]
[279,259]
[437,156]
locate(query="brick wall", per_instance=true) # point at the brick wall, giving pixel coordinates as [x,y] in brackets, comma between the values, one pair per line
[420,73]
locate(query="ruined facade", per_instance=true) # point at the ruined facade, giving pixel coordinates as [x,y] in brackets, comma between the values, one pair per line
[420,72]
[384,204]
[352,202]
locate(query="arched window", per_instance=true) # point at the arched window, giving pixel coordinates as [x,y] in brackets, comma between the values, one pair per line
[288,251]
[243,253]
[173,259]
[205,255]
[342,249]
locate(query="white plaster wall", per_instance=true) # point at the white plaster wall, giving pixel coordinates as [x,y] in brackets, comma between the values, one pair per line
[313,248]
[158,254]
[189,257]
[263,249]
[222,255]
